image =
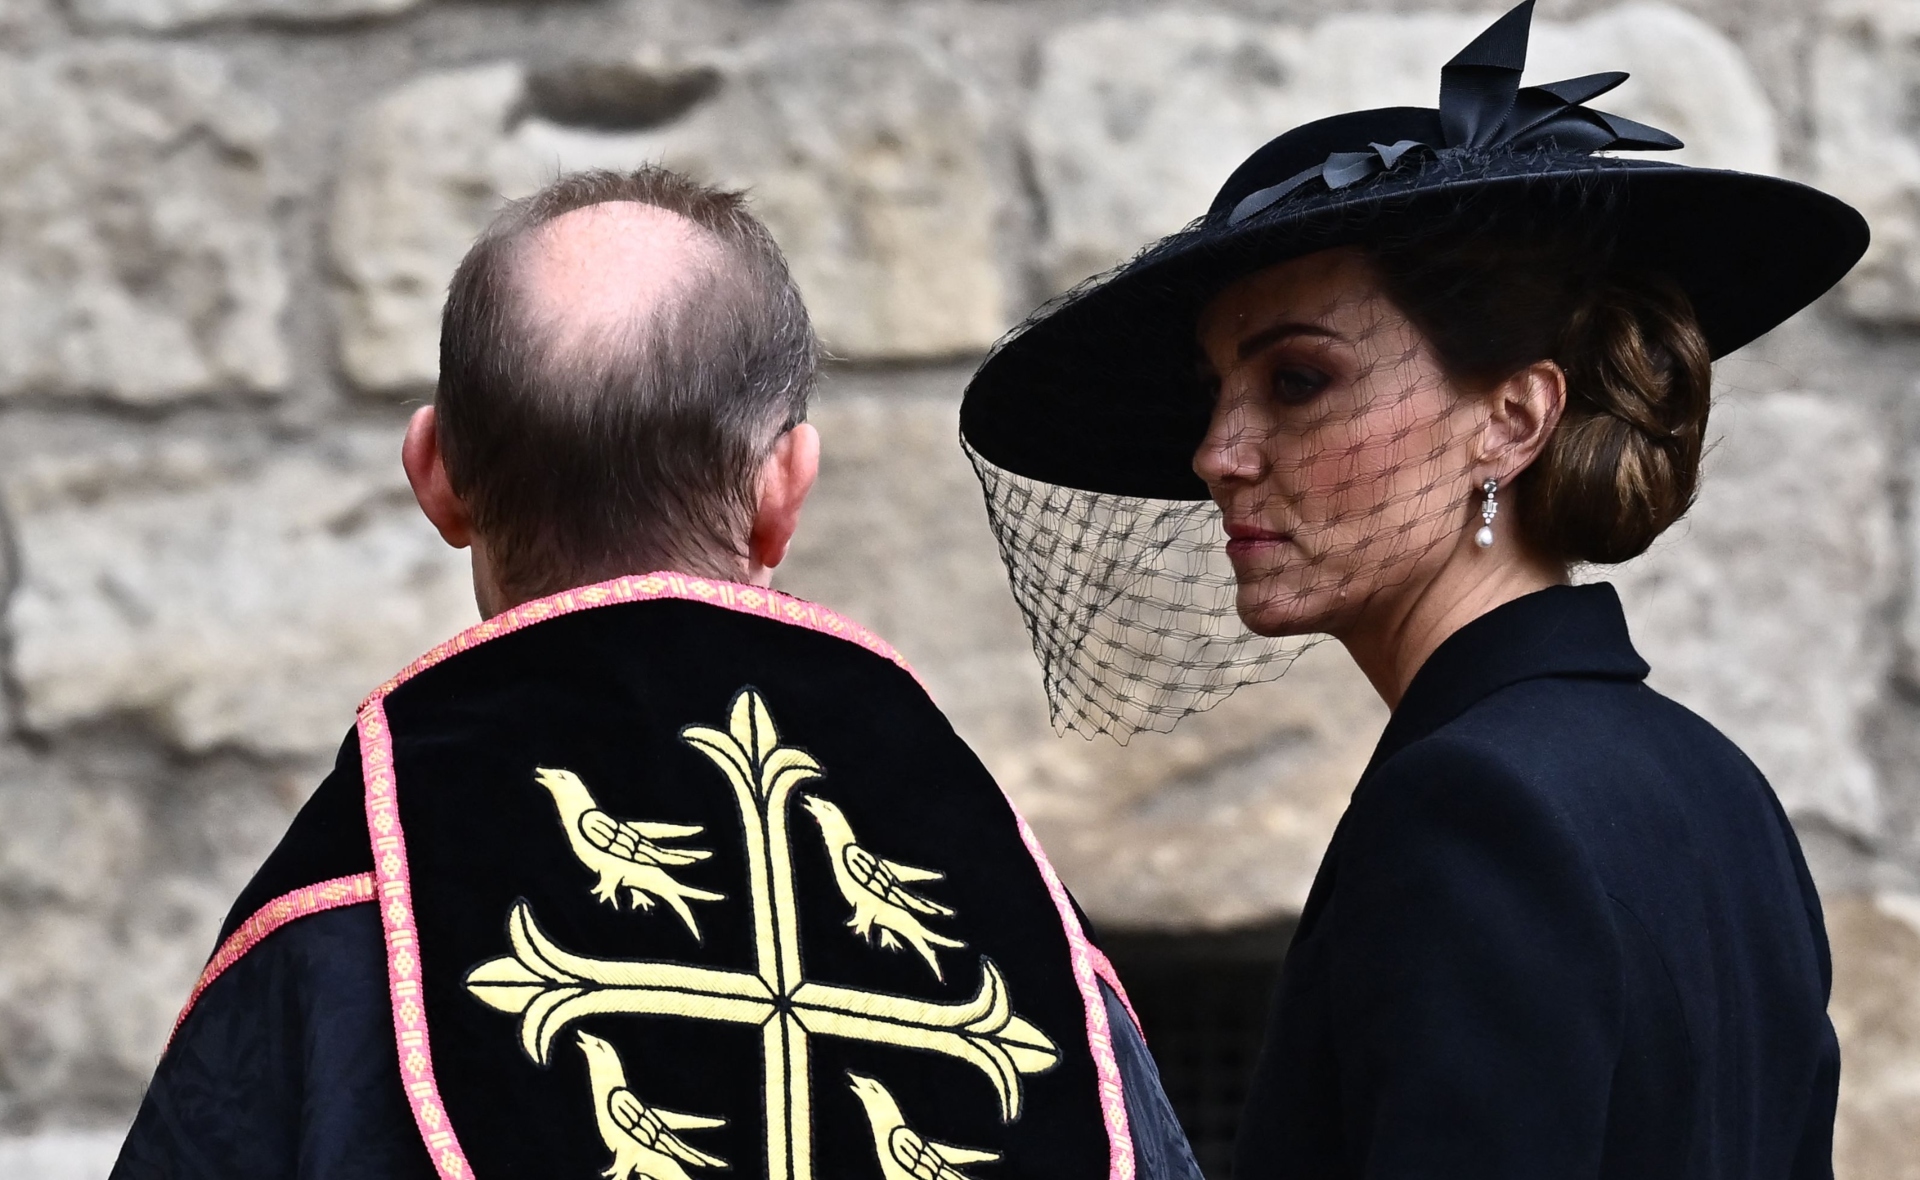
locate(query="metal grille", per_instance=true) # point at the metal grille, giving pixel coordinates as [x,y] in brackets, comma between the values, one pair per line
[1203,1002]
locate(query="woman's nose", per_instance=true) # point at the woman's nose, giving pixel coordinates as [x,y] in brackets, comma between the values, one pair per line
[1230,450]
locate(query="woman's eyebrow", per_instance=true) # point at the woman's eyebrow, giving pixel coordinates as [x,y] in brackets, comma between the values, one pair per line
[1266,336]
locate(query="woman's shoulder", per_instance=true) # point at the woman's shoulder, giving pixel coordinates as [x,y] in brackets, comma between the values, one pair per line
[1584,734]
[1611,772]
[1451,827]
[1476,789]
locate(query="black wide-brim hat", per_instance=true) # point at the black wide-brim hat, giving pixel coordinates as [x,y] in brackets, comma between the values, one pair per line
[1100,390]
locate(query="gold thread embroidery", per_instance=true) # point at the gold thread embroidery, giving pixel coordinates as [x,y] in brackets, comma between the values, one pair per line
[874,888]
[627,854]
[982,1031]
[903,1152]
[550,988]
[641,1137]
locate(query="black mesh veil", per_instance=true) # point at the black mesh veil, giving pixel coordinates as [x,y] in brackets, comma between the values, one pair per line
[1129,602]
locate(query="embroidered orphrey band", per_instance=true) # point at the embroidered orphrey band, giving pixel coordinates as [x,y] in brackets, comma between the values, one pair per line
[395,885]
[748,600]
[312,899]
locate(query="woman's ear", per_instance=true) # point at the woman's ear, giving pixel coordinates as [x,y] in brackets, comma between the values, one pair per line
[785,479]
[1522,414]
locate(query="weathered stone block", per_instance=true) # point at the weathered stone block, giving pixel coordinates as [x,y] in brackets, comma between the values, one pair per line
[60,1155]
[1876,1012]
[866,159]
[138,259]
[228,597]
[118,862]
[159,15]
[895,534]
[1762,609]
[1137,120]
[1911,624]
[417,183]
[26,23]
[1866,65]
[1222,821]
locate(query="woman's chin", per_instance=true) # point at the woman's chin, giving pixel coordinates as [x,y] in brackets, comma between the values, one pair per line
[1270,607]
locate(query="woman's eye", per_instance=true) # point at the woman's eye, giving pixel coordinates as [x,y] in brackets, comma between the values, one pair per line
[1295,385]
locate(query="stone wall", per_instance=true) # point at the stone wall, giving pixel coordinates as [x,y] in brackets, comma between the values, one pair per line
[224,230]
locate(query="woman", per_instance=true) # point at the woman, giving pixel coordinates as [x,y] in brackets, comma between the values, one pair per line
[1422,363]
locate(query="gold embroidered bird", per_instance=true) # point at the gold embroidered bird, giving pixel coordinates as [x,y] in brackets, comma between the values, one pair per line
[904,1153]
[628,854]
[876,888]
[641,1137]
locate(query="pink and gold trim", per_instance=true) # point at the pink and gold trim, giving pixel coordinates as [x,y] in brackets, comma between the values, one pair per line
[313,899]
[1090,965]
[1103,967]
[749,600]
[393,885]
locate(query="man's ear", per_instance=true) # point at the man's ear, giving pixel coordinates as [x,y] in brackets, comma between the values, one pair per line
[1521,417]
[785,479]
[427,473]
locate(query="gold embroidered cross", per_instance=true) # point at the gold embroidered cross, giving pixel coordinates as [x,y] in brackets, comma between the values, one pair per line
[551,988]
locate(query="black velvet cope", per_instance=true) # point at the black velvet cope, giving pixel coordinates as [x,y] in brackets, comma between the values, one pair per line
[605,694]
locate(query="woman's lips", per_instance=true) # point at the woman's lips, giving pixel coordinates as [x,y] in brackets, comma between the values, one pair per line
[1244,540]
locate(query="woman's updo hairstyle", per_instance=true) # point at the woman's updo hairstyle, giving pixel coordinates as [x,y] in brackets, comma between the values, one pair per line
[1502,286]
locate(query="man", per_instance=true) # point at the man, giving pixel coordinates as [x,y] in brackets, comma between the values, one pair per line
[651,874]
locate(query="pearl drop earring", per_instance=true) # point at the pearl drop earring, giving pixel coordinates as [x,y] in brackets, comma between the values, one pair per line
[1489,508]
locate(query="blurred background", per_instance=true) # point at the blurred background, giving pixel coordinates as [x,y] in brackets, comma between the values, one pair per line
[225,227]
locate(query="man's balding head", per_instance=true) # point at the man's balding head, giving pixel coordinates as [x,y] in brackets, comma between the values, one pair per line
[618,356]
[595,273]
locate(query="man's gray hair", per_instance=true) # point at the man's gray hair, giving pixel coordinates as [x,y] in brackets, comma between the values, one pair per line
[633,449]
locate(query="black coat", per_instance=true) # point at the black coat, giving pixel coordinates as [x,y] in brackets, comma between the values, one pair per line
[1563,930]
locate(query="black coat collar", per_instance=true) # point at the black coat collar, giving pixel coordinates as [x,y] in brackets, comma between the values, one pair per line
[1559,631]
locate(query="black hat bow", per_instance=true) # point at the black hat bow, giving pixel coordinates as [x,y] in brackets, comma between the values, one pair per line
[1483,105]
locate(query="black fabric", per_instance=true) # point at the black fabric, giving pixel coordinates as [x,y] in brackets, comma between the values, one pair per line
[605,694]
[289,1055]
[1507,646]
[1160,1147]
[285,1069]
[1563,930]
[328,839]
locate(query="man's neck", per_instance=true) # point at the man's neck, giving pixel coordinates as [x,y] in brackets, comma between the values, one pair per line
[495,597]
